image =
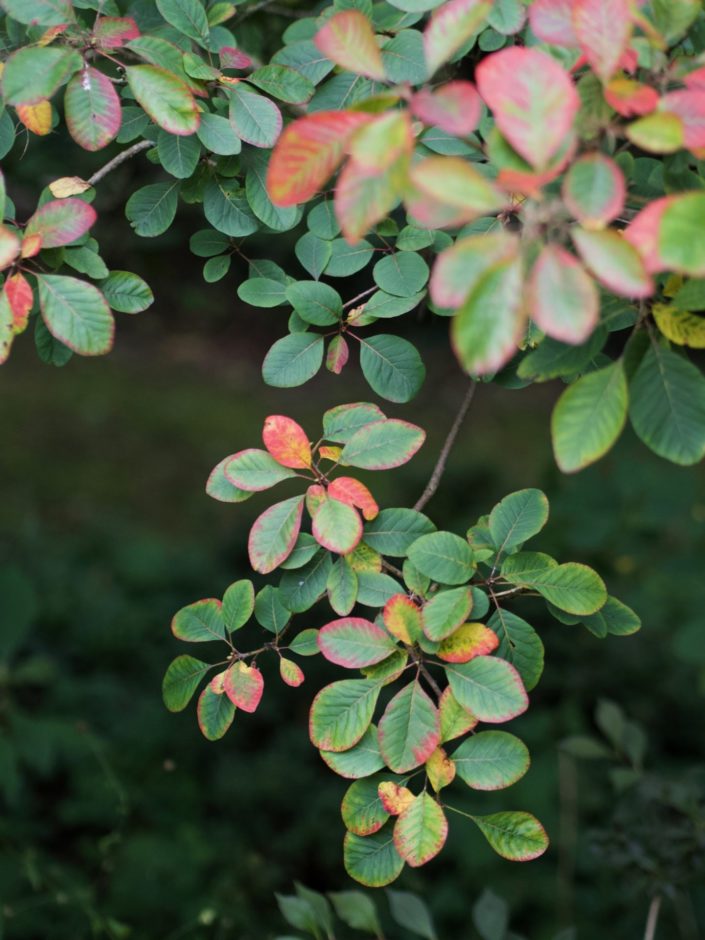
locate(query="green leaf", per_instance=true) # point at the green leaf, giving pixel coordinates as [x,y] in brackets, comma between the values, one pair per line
[215,269]
[255,470]
[283,83]
[40,12]
[589,417]
[402,274]
[679,246]
[490,915]
[572,587]
[614,618]
[517,518]
[518,837]
[127,292]
[305,643]
[552,360]
[220,488]
[301,588]
[372,860]
[304,550]
[215,713]
[188,17]
[488,687]
[271,613]
[238,604]
[356,910]
[409,911]
[443,557]
[262,292]
[519,644]
[382,445]
[207,243]
[181,680]
[667,408]
[92,109]
[394,530]
[165,98]
[362,809]
[342,588]
[445,612]
[315,303]
[420,831]
[274,217]
[227,209]
[341,422]
[375,588]
[337,526]
[491,760]
[348,259]
[256,119]
[342,712]
[359,761]
[274,533]
[217,134]
[200,622]
[392,366]
[409,730]
[383,306]
[313,253]
[151,209]
[76,313]
[33,74]
[293,360]
[403,56]
[178,155]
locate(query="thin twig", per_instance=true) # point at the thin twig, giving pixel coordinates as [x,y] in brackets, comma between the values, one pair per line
[365,293]
[431,681]
[652,917]
[120,158]
[438,470]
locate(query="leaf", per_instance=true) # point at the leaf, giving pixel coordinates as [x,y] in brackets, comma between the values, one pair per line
[92,109]
[402,274]
[680,248]
[287,442]
[313,253]
[351,491]
[450,27]
[518,837]
[32,75]
[572,587]
[341,587]
[394,798]
[188,17]
[589,417]
[37,118]
[178,155]
[394,530]
[491,760]
[520,645]
[667,406]
[392,366]
[356,910]
[337,526]
[315,303]
[403,58]
[126,292]
[613,261]
[409,730]
[443,557]
[301,588]
[614,618]
[9,247]
[112,32]
[20,297]
[680,326]
[244,686]
[455,107]
[362,810]
[215,713]
[238,604]
[458,269]
[533,100]
[165,98]
[60,222]
[420,831]
[372,860]
[455,719]
[517,518]
[594,190]
[382,445]
[255,470]
[490,914]
[408,910]
[603,29]
[76,313]
[291,673]
[487,329]
[452,181]
[219,487]
[282,82]
[40,12]
[445,612]
[257,120]
[181,680]
[308,153]
[564,301]
[488,687]
[226,208]
[467,642]
[200,622]
[341,422]
[364,196]
[341,713]
[293,360]
[217,134]
[152,209]
[274,533]
[629,97]
[347,39]
[359,761]
[660,132]
[402,618]
[551,21]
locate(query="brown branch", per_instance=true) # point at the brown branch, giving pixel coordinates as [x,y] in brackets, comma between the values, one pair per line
[119,159]
[439,469]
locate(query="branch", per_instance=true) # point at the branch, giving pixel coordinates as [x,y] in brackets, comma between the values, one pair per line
[119,159]
[439,469]
[652,918]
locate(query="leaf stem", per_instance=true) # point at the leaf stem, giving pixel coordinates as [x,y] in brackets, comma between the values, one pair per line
[118,160]
[439,469]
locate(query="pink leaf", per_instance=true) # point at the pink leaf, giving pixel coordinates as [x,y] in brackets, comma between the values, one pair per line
[458,269]
[603,29]
[60,222]
[287,442]
[551,21]
[337,355]
[533,100]
[244,686]
[354,493]
[9,247]
[349,40]
[111,32]
[456,107]
[614,262]
[232,58]
[20,297]
[564,301]
[643,233]
[364,196]
[354,642]
[629,97]
[689,105]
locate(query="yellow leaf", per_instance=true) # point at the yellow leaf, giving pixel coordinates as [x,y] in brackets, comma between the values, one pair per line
[68,186]
[680,326]
[363,558]
[394,798]
[36,117]
[440,769]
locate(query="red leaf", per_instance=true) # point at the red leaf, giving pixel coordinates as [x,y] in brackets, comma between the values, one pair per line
[111,32]
[689,105]
[287,442]
[337,355]
[564,301]
[603,28]
[232,58]
[244,686]
[349,40]
[20,297]
[308,153]
[60,222]
[533,100]
[456,107]
[629,97]
[696,78]
[552,21]
[92,109]
[354,493]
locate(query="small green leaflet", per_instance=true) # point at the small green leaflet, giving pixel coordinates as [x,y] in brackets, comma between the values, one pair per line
[181,680]
[293,360]
[518,837]
[517,517]
[342,712]
[491,760]
[392,366]
[372,860]
[443,557]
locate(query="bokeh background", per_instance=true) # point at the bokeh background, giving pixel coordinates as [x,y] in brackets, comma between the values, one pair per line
[119,819]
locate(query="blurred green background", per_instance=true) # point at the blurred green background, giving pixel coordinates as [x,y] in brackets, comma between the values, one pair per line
[120,820]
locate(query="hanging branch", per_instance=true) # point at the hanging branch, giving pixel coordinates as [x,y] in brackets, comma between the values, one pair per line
[118,160]
[439,469]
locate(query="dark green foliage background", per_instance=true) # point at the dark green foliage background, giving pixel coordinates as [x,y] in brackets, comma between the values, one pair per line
[118,819]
